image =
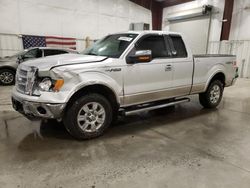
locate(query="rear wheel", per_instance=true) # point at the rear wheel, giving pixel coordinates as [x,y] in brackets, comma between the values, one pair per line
[88,117]
[7,77]
[212,97]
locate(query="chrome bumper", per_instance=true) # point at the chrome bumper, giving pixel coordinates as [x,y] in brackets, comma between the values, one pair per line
[33,110]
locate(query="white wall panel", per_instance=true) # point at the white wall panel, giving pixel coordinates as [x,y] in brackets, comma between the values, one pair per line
[217,16]
[82,26]
[38,19]
[10,44]
[240,21]
[195,31]
[240,48]
[9,16]
[76,18]
[67,18]
[122,8]
[107,7]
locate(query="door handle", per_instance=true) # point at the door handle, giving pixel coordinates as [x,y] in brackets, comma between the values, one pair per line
[168,68]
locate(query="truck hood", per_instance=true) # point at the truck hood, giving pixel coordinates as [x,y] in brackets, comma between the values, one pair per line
[47,63]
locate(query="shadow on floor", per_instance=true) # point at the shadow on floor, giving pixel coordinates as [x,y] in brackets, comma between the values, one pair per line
[53,135]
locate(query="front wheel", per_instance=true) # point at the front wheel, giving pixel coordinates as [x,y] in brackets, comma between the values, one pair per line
[88,117]
[7,77]
[212,97]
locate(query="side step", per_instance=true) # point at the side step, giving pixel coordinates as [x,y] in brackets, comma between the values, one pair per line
[153,107]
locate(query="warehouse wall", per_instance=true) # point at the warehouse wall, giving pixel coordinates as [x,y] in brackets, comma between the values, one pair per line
[67,18]
[240,34]
[217,16]
[240,20]
[78,18]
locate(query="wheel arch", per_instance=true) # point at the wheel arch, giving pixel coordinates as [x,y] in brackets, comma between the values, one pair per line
[8,67]
[99,89]
[220,75]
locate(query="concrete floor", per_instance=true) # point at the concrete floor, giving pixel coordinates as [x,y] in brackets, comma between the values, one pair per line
[185,146]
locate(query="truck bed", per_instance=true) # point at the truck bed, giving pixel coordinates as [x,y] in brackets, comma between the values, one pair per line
[207,65]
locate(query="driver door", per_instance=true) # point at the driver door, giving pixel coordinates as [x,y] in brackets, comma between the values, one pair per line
[149,81]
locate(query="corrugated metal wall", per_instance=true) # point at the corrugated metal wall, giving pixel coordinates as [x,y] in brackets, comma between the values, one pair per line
[240,48]
[11,44]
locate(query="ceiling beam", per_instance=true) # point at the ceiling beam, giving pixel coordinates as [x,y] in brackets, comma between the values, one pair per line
[144,3]
[163,3]
[168,3]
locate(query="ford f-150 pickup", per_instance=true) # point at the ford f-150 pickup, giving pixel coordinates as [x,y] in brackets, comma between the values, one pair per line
[122,73]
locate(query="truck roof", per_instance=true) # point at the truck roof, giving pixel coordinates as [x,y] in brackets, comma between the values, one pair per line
[152,32]
[53,48]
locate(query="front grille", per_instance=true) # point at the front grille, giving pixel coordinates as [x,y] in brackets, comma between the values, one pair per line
[25,78]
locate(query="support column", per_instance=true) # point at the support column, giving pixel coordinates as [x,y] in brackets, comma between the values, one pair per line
[156,10]
[227,15]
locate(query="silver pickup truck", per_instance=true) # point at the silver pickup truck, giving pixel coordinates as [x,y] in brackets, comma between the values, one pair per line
[123,73]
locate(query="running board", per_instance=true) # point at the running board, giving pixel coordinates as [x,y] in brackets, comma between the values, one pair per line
[153,107]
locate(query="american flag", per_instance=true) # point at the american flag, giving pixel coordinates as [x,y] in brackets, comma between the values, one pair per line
[49,41]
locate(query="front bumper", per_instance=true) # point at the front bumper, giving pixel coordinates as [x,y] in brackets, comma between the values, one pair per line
[37,110]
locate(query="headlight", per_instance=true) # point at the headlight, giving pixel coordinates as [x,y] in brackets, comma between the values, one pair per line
[45,84]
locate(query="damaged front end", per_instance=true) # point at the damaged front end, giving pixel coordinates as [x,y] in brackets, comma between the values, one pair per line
[33,94]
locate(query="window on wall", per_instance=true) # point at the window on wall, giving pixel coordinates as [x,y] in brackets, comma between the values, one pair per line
[178,46]
[156,44]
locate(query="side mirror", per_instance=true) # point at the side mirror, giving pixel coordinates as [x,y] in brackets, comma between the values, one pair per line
[140,56]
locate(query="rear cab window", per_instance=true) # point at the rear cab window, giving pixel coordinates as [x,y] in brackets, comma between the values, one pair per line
[177,46]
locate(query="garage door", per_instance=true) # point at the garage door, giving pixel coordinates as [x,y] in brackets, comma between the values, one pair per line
[196,32]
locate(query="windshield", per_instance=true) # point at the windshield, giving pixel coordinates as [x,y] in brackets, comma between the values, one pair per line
[111,45]
[18,54]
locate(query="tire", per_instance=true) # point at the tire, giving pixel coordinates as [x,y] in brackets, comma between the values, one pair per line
[7,77]
[212,97]
[81,118]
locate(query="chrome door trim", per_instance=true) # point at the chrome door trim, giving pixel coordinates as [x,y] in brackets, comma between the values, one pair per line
[140,98]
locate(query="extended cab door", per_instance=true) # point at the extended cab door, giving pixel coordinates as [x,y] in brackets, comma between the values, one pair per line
[182,65]
[149,81]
